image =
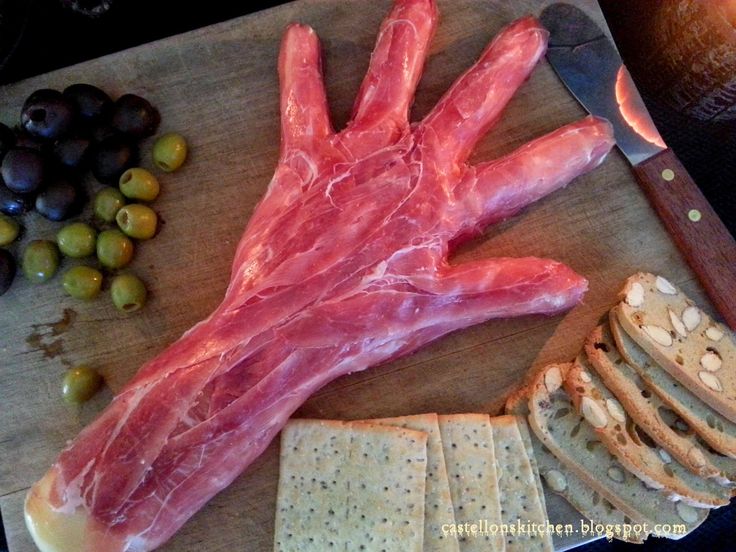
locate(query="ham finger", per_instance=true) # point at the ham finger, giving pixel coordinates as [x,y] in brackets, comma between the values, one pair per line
[475,101]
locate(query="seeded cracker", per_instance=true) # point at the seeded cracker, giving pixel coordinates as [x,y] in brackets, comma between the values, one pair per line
[467,442]
[517,488]
[438,510]
[343,486]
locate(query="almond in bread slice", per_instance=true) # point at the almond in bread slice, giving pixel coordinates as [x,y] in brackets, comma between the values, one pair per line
[682,339]
[517,488]
[716,430]
[574,442]
[561,480]
[649,412]
[633,447]
[467,444]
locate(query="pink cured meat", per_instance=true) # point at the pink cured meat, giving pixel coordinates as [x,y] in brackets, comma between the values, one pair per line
[343,265]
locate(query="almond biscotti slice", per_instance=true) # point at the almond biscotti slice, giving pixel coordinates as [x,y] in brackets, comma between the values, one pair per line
[574,442]
[649,412]
[633,447]
[682,339]
[563,481]
[520,498]
[716,430]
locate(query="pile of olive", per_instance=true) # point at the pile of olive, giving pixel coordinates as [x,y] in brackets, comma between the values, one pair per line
[43,162]
[43,165]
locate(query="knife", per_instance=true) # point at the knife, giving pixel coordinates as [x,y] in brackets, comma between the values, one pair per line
[589,65]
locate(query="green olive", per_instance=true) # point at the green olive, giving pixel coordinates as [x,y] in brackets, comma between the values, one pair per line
[108,202]
[138,221]
[40,261]
[170,151]
[137,183]
[82,282]
[114,249]
[77,240]
[128,292]
[9,230]
[80,384]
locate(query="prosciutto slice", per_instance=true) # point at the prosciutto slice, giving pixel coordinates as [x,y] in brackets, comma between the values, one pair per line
[342,266]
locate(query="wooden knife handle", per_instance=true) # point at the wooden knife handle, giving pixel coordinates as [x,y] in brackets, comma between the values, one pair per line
[706,243]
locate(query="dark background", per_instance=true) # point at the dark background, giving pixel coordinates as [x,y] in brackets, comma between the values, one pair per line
[37,36]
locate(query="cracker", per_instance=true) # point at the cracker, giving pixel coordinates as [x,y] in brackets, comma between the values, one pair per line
[467,443]
[517,489]
[343,486]
[438,510]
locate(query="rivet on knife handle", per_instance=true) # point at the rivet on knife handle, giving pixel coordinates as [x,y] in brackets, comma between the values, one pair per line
[708,246]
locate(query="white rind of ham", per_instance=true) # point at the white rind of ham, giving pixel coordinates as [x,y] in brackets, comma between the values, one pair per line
[342,266]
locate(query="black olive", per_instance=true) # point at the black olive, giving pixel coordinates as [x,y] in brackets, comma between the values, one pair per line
[23,140]
[59,200]
[111,158]
[47,114]
[72,152]
[92,103]
[135,116]
[103,131]
[14,204]
[7,140]
[23,170]
[7,270]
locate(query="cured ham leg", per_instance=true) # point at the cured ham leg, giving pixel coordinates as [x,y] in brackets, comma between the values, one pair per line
[342,266]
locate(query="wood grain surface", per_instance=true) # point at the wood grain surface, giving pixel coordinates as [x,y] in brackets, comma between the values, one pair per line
[218,86]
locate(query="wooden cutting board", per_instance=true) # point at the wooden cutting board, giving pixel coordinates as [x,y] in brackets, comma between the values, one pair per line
[218,85]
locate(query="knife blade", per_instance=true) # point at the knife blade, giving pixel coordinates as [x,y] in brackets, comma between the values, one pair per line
[588,63]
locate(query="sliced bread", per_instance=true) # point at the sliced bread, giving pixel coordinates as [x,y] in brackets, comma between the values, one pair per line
[633,447]
[682,339]
[648,411]
[574,442]
[467,443]
[438,512]
[561,480]
[717,431]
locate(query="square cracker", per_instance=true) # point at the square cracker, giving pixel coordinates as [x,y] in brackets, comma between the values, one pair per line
[438,510]
[467,442]
[517,488]
[350,486]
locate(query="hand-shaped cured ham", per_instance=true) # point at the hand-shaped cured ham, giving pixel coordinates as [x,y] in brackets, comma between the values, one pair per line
[342,266]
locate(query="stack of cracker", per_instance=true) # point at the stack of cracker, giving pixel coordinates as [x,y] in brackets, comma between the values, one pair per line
[461,482]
